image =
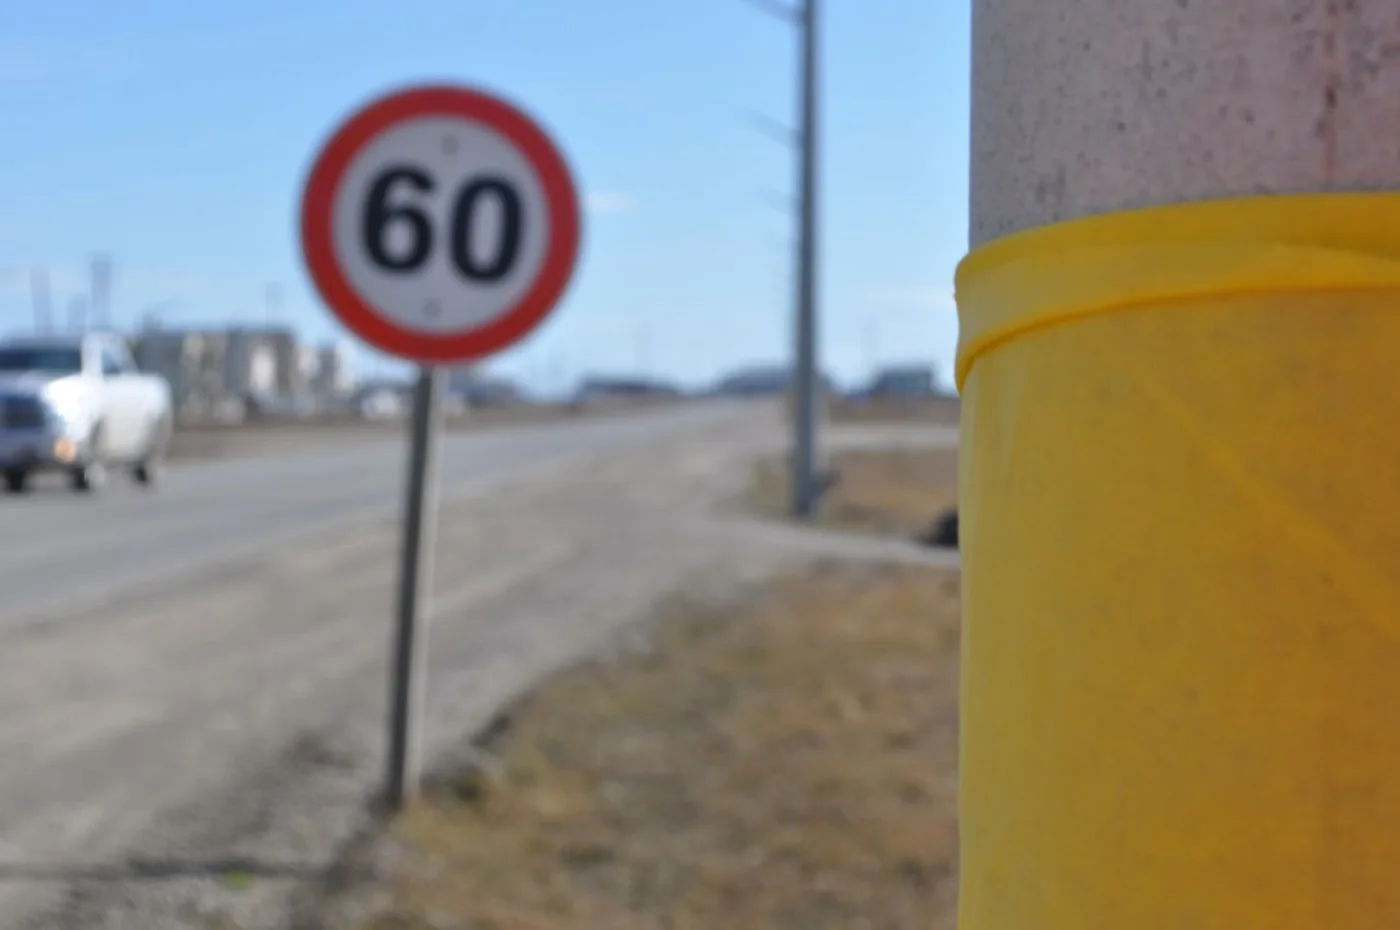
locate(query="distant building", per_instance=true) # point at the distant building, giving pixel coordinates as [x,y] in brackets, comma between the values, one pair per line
[194,364]
[216,368]
[600,387]
[308,363]
[286,349]
[332,375]
[381,400]
[477,388]
[764,381]
[169,356]
[251,365]
[903,382]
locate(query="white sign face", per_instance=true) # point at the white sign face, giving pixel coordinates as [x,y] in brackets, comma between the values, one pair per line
[440,224]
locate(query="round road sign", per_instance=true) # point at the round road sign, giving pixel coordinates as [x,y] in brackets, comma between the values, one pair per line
[440,224]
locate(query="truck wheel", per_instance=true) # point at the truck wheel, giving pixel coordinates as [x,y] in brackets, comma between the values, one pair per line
[16,480]
[149,470]
[89,473]
[88,477]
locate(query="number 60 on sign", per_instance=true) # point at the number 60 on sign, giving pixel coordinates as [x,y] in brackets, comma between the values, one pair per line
[440,224]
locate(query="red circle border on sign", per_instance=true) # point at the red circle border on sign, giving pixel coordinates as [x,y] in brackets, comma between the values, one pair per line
[318,201]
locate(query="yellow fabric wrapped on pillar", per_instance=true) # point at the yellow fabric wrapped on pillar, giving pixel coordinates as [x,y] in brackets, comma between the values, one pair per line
[1180,527]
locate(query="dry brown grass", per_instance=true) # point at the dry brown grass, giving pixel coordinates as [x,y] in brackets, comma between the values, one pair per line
[788,765]
[937,411]
[897,492]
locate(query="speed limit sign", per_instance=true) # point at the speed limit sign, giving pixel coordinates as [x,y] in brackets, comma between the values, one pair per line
[440,224]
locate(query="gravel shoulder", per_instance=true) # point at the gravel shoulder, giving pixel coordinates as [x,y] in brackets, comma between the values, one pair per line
[194,754]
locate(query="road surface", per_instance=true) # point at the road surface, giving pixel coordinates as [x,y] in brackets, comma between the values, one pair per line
[195,751]
[209,511]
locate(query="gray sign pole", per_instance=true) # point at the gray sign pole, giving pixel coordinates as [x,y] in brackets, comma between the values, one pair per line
[408,672]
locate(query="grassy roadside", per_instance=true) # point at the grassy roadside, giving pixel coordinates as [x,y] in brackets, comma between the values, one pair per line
[790,764]
[786,761]
[894,492]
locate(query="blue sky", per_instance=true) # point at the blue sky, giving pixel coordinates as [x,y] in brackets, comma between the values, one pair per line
[174,136]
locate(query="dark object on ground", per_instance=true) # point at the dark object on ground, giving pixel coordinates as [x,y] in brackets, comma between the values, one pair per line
[944,532]
[826,482]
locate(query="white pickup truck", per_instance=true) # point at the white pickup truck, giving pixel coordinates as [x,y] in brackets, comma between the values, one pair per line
[79,406]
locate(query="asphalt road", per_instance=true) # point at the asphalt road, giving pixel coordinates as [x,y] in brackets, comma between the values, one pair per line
[58,546]
[228,716]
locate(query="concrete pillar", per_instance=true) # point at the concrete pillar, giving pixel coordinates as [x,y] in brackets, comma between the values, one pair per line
[1086,106]
[1178,479]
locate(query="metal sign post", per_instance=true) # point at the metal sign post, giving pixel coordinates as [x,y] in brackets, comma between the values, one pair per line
[441,225]
[415,580]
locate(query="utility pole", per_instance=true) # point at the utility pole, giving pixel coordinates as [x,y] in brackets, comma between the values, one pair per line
[806,492]
[100,299]
[153,316]
[872,346]
[806,483]
[273,304]
[77,314]
[42,299]
[558,385]
[643,361]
